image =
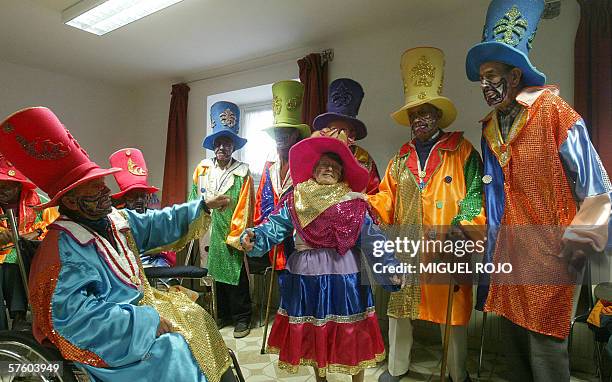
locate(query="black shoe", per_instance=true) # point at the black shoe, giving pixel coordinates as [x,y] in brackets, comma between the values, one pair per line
[242,329]
[387,377]
[223,322]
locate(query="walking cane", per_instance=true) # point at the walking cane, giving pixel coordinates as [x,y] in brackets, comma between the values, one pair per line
[482,335]
[447,333]
[265,333]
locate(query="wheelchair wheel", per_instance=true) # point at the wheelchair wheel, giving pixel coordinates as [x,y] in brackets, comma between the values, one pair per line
[21,347]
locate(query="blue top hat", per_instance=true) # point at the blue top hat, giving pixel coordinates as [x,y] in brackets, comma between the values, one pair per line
[225,121]
[343,102]
[507,37]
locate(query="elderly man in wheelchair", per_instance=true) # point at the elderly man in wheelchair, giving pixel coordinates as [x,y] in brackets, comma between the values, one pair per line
[88,293]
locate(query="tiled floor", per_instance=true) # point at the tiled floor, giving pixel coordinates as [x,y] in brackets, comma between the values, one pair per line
[425,366]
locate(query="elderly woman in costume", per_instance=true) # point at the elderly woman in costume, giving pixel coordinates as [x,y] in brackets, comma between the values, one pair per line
[135,194]
[88,291]
[326,317]
[224,175]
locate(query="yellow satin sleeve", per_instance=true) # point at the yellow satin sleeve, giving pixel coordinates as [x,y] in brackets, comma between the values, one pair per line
[243,213]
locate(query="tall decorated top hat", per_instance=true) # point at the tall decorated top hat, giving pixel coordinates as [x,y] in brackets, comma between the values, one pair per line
[133,174]
[10,173]
[304,155]
[44,150]
[423,76]
[343,101]
[507,37]
[225,121]
[287,98]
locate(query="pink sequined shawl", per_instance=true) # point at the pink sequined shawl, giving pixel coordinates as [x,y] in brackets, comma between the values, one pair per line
[337,227]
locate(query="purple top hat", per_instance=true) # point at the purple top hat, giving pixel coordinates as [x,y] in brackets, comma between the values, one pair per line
[343,102]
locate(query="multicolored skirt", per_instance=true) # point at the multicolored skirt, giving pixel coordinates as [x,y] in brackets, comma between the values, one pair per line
[326,317]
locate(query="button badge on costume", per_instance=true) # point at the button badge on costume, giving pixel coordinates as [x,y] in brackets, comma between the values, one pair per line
[11,172]
[487,179]
[422,174]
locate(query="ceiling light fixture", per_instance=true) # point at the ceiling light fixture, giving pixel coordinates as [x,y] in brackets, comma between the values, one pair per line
[102,16]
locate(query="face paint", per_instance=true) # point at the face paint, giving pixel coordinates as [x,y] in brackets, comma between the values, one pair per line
[96,206]
[9,191]
[424,121]
[137,200]
[494,92]
[91,200]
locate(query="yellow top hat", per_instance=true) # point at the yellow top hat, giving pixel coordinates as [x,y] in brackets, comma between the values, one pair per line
[423,75]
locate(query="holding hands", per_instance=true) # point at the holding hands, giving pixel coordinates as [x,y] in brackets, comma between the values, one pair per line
[247,240]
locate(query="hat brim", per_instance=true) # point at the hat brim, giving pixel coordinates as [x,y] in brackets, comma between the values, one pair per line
[304,155]
[493,51]
[24,183]
[91,175]
[209,141]
[303,128]
[322,120]
[147,189]
[449,112]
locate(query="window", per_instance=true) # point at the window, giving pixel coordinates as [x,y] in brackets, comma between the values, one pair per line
[260,147]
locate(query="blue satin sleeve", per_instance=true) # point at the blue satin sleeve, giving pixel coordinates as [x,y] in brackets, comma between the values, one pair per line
[267,196]
[584,169]
[158,228]
[119,333]
[272,231]
[494,207]
[371,242]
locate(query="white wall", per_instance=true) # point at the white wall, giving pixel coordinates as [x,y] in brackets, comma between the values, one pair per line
[373,60]
[99,116]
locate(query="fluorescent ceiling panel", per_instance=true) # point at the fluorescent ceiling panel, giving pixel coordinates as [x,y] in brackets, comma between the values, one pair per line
[101,17]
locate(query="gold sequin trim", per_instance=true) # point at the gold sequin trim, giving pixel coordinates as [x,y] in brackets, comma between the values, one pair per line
[512,27]
[197,228]
[329,368]
[311,199]
[423,73]
[408,214]
[329,318]
[42,310]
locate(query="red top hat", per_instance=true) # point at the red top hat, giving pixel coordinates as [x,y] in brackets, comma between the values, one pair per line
[41,148]
[133,174]
[9,172]
[305,154]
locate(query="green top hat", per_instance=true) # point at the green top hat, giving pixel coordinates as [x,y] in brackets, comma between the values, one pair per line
[287,97]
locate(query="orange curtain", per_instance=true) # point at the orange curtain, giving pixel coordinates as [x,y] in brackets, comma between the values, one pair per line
[313,74]
[592,74]
[175,167]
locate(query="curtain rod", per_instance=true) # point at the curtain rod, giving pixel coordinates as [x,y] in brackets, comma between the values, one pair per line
[327,55]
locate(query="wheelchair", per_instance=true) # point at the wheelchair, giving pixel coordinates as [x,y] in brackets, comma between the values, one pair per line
[20,347]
